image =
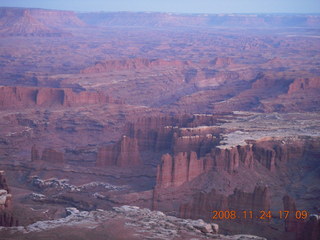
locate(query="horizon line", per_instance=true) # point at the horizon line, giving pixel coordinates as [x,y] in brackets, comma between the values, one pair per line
[177,13]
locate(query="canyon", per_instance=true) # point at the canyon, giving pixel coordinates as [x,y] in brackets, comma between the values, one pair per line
[152,122]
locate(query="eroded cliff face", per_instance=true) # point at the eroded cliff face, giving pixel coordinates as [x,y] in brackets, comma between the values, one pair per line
[174,171]
[49,155]
[18,97]
[132,64]
[234,169]
[271,154]
[124,153]
[302,95]
[304,84]
[6,215]
[184,166]
[303,229]
[311,229]
[228,159]
[152,133]
[202,204]
[52,156]
[201,143]
[37,22]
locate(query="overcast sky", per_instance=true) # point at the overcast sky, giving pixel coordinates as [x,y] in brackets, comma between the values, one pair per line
[179,6]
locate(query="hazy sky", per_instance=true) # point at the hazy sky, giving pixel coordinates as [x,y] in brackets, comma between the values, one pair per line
[183,6]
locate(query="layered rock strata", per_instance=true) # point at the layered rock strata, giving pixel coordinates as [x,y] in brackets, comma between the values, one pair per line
[203,203]
[52,156]
[125,153]
[132,64]
[18,97]
[6,215]
[183,167]
[174,169]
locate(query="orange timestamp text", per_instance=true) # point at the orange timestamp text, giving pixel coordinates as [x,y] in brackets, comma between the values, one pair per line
[262,215]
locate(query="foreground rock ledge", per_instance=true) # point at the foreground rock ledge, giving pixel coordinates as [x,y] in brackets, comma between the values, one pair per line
[130,222]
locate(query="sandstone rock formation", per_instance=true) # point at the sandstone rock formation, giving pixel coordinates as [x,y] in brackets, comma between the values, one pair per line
[72,98]
[132,65]
[201,144]
[125,153]
[34,153]
[203,204]
[152,133]
[311,229]
[50,97]
[302,95]
[36,22]
[304,84]
[17,97]
[222,62]
[302,228]
[6,216]
[269,154]
[181,168]
[52,156]
[3,182]
[291,223]
[228,159]
[23,24]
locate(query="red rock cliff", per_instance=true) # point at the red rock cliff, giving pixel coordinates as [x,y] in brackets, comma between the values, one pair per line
[52,156]
[311,230]
[203,203]
[201,144]
[132,64]
[183,167]
[152,133]
[125,153]
[6,216]
[304,84]
[34,154]
[174,171]
[17,97]
[36,22]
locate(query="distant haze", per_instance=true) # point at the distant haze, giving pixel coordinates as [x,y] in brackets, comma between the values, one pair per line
[178,6]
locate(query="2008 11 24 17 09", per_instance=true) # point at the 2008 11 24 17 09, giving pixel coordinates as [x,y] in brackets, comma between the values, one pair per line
[262,215]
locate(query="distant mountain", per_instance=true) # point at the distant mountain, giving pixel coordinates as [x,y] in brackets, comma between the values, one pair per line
[148,19]
[36,22]
[41,22]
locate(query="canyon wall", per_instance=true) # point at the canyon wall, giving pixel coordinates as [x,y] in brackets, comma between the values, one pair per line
[17,97]
[37,22]
[132,64]
[174,169]
[124,153]
[48,155]
[302,95]
[153,133]
[201,144]
[52,156]
[304,84]
[311,229]
[179,169]
[202,204]
[6,215]
[175,134]
[304,229]
[184,166]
